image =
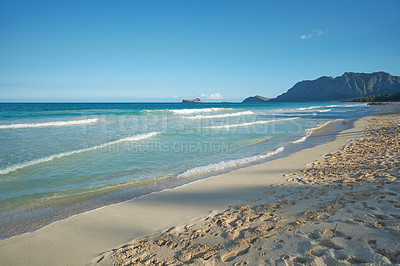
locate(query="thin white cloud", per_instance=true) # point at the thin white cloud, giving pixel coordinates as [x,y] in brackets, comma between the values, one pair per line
[215,96]
[212,96]
[175,96]
[318,32]
[312,34]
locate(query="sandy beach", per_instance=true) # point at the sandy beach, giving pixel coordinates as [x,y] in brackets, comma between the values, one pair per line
[336,203]
[342,209]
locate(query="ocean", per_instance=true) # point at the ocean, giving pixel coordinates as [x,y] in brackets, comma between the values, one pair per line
[61,159]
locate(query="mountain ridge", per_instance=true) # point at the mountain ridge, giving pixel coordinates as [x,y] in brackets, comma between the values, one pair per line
[346,87]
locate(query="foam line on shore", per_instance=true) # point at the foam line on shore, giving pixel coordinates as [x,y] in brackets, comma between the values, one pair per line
[302,139]
[16,167]
[224,165]
[51,124]
[310,131]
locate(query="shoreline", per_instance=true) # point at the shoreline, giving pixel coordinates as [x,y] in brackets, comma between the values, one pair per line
[114,216]
[341,209]
[17,224]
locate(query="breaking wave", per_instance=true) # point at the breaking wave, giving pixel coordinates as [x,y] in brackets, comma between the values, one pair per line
[220,115]
[307,108]
[251,123]
[182,111]
[224,165]
[64,154]
[202,110]
[325,110]
[51,124]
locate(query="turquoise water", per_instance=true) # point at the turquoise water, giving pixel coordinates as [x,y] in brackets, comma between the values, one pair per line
[58,159]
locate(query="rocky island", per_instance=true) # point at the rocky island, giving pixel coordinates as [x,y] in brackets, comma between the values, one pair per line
[196,100]
[256,99]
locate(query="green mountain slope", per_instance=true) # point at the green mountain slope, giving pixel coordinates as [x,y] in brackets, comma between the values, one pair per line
[346,87]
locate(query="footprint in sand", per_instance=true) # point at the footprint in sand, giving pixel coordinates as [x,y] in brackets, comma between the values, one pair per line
[372,243]
[318,251]
[296,260]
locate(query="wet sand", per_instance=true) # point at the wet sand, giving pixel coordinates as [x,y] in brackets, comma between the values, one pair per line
[253,215]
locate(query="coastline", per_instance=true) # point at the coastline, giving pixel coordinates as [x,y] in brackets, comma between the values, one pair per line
[342,209]
[16,223]
[155,212]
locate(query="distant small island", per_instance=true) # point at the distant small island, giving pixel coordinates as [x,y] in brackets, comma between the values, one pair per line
[197,100]
[256,99]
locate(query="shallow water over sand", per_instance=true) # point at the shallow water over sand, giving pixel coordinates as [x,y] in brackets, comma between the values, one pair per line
[61,159]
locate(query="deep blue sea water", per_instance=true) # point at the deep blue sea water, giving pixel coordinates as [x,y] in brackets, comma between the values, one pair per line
[59,159]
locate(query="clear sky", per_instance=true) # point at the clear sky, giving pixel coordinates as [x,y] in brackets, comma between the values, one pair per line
[167,50]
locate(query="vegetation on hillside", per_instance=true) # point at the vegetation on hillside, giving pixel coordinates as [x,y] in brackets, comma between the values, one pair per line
[379,98]
[342,88]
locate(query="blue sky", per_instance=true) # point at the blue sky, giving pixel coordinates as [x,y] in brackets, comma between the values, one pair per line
[127,50]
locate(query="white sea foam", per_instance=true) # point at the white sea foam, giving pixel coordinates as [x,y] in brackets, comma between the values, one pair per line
[241,125]
[202,110]
[224,165]
[325,110]
[307,108]
[51,124]
[347,105]
[64,154]
[296,110]
[251,123]
[354,105]
[311,130]
[185,111]
[302,139]
[220,115]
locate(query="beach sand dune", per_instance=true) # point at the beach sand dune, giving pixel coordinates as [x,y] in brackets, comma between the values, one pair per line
[342,209]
